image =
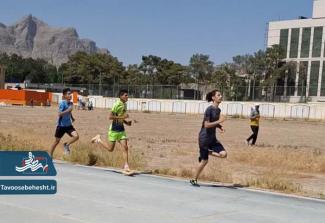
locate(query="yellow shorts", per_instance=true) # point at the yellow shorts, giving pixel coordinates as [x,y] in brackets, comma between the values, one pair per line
[116,136]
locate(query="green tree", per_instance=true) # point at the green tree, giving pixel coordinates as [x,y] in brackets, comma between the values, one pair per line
[20,69]
[275,69]
[229,82]
[201,68]
[149,67]
[134,76]
[78,69]
[83,68]
[170,73]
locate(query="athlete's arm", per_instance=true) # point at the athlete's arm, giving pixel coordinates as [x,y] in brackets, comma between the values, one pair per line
[72,118]
[115,117]
[217,123]
[66,111]
[129,123]
[254,115]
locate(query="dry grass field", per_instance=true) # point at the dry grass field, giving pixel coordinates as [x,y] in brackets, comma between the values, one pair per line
[289,156]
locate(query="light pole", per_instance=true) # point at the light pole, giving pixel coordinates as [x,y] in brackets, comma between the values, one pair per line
[2,77]
[100,83]
[57,71]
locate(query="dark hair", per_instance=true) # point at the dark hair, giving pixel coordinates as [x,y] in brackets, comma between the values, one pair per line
[209,96]
[65,90]
[122,92]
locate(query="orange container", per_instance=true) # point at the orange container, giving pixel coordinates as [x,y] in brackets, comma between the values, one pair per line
[23,97]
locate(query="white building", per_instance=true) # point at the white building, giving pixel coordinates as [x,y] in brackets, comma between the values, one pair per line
[303,41]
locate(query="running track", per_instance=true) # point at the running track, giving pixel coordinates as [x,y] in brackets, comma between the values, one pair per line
[98,195]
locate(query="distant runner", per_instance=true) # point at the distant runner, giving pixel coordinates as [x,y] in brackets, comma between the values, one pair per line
[254,122]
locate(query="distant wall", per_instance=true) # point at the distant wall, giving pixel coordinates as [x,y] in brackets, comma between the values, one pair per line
[268,110]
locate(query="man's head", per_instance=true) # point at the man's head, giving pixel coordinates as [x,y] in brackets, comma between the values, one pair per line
[67,94]
[124,95]
[256,106]
[214,96]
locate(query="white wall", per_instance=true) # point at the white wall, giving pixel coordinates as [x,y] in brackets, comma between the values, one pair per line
[268,110]
[319,9]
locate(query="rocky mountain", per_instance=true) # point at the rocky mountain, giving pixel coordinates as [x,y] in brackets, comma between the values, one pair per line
[31,37]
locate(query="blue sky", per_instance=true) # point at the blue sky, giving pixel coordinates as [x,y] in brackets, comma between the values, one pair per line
[172,29]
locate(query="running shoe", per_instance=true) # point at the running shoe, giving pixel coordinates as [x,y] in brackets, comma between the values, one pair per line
[66,149]
[194,183]
[96,139]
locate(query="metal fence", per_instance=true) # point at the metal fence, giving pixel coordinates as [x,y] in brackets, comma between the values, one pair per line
[236,93]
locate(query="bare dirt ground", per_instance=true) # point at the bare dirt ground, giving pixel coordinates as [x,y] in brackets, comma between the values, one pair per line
[289,156]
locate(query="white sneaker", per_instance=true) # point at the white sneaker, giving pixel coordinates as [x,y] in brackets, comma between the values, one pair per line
[66,149]
[96,139]
[127,168]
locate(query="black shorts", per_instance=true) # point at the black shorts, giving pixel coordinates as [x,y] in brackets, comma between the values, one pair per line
[205,149]
[60,131]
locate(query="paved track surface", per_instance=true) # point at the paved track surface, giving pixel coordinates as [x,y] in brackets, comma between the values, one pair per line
[98,195]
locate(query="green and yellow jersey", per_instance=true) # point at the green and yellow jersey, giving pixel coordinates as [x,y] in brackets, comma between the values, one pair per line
[118,109]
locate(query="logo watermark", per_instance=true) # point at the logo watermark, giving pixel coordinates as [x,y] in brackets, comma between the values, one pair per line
[23,163]
[26,164]
[33,164]
[10,187]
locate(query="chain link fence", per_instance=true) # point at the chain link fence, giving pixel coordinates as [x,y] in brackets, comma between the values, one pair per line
[235,93]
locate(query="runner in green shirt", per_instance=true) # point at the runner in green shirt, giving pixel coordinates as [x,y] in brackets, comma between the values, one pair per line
[116,132]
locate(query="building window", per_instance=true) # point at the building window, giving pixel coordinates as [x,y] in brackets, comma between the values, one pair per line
[322,91]
[302,80]
[305,43]
[284,34]
[294,43]
[317,41]
[313,81]
[324,50]
[291,79]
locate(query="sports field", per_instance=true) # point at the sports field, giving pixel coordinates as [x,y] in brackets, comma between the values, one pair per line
[289,156]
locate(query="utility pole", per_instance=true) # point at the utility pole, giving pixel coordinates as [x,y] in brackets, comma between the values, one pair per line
[57,71]
[100,83]
[2,77]
[254,76]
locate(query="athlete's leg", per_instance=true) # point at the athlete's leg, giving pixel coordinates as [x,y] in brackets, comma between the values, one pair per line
[74,137]
[199,170]
[59,132]
[55,143]
[203,159]
[218,150]
[109,146]
[255,130]
[125,148]
[252,135]
[222,154]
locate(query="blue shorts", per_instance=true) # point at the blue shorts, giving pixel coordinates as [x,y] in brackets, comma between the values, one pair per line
[205,149]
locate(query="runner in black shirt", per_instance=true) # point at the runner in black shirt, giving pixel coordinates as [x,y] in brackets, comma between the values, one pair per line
[208,143]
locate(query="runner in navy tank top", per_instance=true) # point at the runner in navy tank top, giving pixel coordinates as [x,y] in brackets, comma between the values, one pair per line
[208,142]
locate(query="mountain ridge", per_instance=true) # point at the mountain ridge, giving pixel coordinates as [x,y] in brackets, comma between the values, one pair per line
[31,37]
